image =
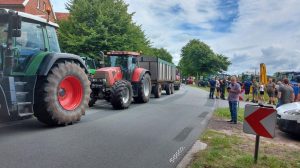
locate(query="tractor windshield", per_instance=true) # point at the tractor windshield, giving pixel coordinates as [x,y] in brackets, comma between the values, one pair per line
[90,64]
[3,41]
[119,61]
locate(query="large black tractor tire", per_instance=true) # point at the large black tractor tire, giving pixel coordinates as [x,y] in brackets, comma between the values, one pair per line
[144,90]
[172,88]
[157,91]
[62,97]
[168,89]
[93,100]
[121,95]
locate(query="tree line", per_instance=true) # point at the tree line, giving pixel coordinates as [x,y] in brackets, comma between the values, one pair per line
[106,25]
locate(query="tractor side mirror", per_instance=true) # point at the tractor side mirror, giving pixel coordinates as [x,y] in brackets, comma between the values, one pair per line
[16,33]
[16,22]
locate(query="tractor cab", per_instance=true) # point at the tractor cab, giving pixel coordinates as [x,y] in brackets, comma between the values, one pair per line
[127,61]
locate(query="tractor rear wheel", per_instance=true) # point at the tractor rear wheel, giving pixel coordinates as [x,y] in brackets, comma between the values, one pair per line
[62,97]
[144,90]
[157,91]
[121,95]
[172,88]
[168,88]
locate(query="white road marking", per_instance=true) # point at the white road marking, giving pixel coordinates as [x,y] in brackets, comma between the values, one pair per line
[177,154]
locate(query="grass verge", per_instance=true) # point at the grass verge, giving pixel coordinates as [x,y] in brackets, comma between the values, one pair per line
[224,113]
[236,151]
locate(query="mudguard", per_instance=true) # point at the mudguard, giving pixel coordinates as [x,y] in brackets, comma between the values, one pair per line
[3,104]
[51,58]
[138,74]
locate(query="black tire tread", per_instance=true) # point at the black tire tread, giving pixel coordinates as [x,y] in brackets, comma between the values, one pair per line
[46,108]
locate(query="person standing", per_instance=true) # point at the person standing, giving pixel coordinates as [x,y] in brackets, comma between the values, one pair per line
[255,86]
[247,86]
[285,93]
[212,85]
[261,97]
[222,88]
[218,88]
[271,91]
[234,90]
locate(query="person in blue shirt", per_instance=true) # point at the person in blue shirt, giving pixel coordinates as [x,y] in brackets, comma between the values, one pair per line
[247,86]
[212,85]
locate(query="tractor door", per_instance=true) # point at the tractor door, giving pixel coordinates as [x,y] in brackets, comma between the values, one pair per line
[132,64]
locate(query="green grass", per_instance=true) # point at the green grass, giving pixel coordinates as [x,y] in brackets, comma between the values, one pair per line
[234,151]
[225,113]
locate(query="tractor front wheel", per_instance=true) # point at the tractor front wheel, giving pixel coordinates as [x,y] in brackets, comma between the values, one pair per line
[62,97]
[121,95]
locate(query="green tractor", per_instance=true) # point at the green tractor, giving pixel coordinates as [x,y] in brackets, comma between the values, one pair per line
[35,77]
[91,64]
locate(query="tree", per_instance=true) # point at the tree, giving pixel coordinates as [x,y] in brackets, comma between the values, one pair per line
[100,25]
[162,54]
[198,58]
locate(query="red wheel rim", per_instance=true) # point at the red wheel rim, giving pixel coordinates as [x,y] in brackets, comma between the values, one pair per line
[70,93]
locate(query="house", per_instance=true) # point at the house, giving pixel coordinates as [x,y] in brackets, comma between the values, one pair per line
[35,7]
[62,16]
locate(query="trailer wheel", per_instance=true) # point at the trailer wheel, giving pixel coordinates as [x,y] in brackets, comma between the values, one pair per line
[121,95]
[157,91]
[172,88]
[177,87]
[144,90]
[168,88]
[62,97]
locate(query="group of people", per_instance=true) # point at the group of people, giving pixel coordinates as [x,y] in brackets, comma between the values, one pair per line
[219,86]
[278,93]
[281,92]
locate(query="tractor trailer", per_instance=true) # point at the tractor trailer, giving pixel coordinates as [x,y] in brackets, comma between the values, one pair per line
[163,74]
[35,77]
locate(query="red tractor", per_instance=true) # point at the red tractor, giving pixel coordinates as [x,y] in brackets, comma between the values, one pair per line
[122,81]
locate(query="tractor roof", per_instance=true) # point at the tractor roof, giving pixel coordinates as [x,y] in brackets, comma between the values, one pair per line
[29,16]
[124,53]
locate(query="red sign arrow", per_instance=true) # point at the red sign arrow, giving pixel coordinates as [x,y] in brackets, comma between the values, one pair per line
[255,118]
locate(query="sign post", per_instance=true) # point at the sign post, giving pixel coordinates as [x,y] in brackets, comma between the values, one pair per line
[259,121]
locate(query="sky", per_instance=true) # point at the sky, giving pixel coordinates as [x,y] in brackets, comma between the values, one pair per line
[248,32]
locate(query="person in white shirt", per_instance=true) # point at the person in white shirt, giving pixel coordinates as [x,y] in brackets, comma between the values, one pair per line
[218,88]
[261,93]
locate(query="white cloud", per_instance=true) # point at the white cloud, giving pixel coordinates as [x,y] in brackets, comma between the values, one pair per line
[265,31]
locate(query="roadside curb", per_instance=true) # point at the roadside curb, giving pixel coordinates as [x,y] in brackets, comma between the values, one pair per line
[198,145]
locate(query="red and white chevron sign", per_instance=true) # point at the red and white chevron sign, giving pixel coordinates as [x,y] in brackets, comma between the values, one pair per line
[260,121]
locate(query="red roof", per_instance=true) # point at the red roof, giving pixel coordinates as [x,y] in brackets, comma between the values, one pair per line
[11,2]
[62,16]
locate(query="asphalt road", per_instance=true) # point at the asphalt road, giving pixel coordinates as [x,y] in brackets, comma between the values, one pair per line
[152,135]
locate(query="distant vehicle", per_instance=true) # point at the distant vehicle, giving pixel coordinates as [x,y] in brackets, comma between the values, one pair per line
[293,76]
[288,118]
[177,82]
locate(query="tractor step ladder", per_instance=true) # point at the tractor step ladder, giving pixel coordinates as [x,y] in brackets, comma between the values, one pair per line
[24,105]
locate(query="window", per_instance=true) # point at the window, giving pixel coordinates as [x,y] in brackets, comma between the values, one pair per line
[38,4]
[53,42]
[29,45]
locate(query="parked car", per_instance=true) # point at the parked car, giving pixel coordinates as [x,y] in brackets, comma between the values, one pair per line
[288,118]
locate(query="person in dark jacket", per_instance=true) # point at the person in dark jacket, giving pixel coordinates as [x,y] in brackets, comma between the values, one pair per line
[223,86]
[212,85]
